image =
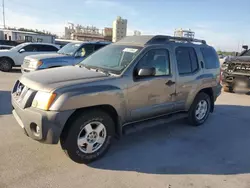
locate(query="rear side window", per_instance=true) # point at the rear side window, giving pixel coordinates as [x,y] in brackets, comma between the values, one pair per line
[46,48]
[187,61]
[210,58]
[98,46]
[31,48]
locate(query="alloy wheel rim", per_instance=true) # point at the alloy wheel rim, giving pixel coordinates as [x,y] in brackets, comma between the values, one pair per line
[91,137]
[5,65]
[201,109]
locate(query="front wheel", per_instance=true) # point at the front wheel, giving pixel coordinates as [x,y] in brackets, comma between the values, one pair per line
[5,65]
[200,109]
[89,136]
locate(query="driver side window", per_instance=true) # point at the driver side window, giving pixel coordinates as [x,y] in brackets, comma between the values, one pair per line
[30,48]
[85,50]
[157,58]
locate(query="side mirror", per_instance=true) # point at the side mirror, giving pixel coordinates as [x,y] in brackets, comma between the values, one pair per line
[144,72]
[245,47]
[22,50]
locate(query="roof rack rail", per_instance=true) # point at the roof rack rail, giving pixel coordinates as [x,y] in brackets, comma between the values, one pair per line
[164,39]
[187,39]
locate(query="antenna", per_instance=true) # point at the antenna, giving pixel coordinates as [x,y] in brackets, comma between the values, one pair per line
[3,14]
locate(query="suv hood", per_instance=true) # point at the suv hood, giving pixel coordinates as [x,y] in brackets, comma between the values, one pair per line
[47,56]
[239,59]
[50,79]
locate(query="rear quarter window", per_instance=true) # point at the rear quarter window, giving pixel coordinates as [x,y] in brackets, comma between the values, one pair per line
[210,58]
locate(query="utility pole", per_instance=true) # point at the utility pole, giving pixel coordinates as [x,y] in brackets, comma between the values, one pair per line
[3,14]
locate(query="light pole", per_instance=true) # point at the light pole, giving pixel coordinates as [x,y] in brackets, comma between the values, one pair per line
[3,14]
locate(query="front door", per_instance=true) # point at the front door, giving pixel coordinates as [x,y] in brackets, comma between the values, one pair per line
[152,96]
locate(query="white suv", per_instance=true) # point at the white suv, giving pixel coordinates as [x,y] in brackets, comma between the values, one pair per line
[15,56]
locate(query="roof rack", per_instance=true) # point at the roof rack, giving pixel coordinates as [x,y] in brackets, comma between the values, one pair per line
[164,39]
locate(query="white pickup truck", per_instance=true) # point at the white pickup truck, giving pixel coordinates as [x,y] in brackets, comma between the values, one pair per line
[15,56]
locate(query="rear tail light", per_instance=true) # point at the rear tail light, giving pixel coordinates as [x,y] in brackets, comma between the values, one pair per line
[219,77]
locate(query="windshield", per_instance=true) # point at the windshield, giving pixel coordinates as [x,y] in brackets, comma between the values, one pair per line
[113,58]
[246,53]
[69,49]
[18,47]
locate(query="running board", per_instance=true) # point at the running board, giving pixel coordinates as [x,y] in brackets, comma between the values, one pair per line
[138,126]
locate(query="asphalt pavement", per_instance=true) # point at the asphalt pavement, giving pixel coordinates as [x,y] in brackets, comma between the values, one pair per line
[173,155]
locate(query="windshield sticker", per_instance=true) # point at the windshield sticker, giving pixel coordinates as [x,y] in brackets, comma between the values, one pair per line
[131,50]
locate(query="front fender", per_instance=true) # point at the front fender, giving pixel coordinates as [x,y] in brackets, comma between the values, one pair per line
[92,96]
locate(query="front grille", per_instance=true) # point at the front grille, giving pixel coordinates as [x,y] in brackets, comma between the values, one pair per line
[239,68]
[23,95]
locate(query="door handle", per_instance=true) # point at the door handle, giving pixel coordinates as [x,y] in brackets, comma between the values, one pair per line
[202,64]
[170,83]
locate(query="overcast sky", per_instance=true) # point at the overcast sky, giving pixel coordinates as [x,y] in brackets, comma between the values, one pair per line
[223,23]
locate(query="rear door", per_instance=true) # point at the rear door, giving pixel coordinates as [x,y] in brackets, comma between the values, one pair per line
[188,71]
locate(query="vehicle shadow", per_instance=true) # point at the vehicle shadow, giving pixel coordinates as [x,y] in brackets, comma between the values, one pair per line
[16,70]
[5,106]
[220,146]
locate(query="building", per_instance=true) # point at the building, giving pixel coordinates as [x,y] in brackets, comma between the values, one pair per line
[119,29]
[23,36]
[184,33]
[87,33]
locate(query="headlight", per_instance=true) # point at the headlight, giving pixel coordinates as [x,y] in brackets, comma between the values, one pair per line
[43,100]
[35,64]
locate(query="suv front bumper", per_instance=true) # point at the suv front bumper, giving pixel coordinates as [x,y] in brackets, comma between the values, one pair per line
[43,126]
[230,80]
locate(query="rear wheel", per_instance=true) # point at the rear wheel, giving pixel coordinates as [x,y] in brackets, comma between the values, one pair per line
[89,136]
[200,109]
[5,65]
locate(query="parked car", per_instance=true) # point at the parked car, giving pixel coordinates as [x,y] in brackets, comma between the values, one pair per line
[15,56]
[70,54]
[236,72]
[136,80]
[5,47]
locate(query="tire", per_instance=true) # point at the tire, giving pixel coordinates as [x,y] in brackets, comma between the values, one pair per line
[228,89]
[5,65]
[201,98]
[85,127]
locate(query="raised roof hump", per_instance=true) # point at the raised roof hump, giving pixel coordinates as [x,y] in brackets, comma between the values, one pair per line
[158,39]
[135,40]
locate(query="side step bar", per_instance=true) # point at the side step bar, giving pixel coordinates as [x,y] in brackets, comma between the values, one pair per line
[138,126]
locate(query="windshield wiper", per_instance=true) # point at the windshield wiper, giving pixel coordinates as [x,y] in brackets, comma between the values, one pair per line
[97,69]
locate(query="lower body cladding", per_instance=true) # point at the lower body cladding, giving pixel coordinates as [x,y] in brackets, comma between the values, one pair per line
[43,126]
[232,81]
